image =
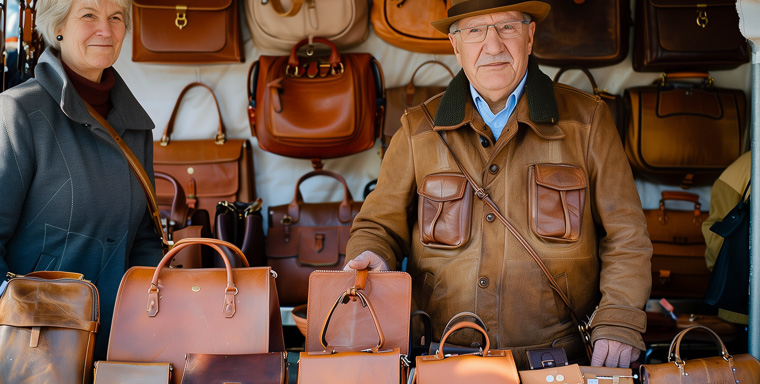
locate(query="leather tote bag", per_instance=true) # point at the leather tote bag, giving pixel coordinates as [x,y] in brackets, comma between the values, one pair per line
[316,107]
[352,327]
[304,237]
[203,310]
[120,372]
[250,368]
[241,224]
[677,35]
[276,25]
[724,368]
[187,32]
[406,24]
[210,170]
[48,321]
[588,33]
[682,132]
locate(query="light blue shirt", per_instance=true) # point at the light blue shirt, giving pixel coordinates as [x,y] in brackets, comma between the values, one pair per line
[498,121]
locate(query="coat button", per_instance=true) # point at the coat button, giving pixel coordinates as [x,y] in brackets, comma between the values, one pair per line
[493,168]
[483,282]
[490,217]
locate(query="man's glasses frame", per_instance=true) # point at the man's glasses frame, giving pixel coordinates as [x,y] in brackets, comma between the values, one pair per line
[505,30]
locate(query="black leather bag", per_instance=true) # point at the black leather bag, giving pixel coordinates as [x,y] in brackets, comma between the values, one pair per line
[241,224]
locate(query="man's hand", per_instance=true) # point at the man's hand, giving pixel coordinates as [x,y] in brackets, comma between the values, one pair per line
[367,259]
[611,353]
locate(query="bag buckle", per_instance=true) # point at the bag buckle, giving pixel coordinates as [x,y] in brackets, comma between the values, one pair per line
[181,20]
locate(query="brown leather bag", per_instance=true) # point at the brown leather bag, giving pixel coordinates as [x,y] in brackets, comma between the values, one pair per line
[406,24]
[564,374]
[725,368]
[251,368]
[119,372]
[589,33]
[303,237]
[677,35]
[353,328]
[48,321]
[187,32]
[316,107]
[217,311]
[210,170]
[684,133]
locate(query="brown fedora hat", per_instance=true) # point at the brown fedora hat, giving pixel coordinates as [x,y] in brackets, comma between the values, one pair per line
[461,9]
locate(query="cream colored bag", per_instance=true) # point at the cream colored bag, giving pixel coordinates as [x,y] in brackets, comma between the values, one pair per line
[277,25]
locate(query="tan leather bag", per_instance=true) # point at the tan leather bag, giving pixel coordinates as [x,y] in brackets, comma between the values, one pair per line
[565,374]
[48,321]
[186,32]
[406,24]
[276,25]
[119,372]
[210,170]
[217,311]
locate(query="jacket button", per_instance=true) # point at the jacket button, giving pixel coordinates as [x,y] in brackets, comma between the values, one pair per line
[483,282]
[493,168]
[490,217]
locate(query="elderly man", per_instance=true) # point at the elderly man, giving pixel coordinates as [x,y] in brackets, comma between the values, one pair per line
[504,140]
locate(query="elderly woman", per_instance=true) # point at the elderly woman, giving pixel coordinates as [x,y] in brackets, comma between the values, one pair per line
[70,200]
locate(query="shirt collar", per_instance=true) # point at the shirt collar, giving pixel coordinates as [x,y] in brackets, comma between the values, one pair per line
[497,121]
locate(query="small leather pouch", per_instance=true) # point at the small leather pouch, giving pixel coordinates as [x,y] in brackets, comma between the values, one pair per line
[444,210]
[119,372]
[263,368]
[546,357]
[556,201]
[566,374]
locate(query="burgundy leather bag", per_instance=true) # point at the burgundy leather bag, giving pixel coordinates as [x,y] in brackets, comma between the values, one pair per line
[251,368]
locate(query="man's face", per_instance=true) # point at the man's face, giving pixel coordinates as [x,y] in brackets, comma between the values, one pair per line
[494,66]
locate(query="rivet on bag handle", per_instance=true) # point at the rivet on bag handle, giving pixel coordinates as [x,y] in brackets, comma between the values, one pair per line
[460,325]
[335,64]
[220,134]
[344,211]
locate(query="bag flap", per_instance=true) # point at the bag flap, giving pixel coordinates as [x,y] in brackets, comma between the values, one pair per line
[203,27]
[60,303]
[198,151]
[318,247]
[691,3]
[443,186]
[697,102]
[199,5]
[561,177]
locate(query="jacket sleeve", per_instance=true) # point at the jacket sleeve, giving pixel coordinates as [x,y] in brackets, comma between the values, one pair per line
[625,250]
[723,198]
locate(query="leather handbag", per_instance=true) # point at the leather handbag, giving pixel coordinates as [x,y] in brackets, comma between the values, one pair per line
[304,237]
[251,368]
[725,368]
[588,33]
[684,133]
[678,259]
[614,102]
[316,107]
[401,98]
[275,29]
[490,366]
[406,24]
[48,321]
[119,372]
[187,32]
[352,327]
[677,35]
[208,310]
[241,224]
[562,374]
[211,170]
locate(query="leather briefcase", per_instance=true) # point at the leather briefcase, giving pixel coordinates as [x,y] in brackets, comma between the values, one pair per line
[120,372]
[316,107]
[210,170]
[48,321]
[406,24]
[190,32]
[217,311]
[304,237]
[588,33]
[684,133]
[677,35]
[251,368]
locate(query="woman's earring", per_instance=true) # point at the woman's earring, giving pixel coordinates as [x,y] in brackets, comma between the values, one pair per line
[59,37]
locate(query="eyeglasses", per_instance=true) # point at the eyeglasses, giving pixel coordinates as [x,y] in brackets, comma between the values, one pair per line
[506,30]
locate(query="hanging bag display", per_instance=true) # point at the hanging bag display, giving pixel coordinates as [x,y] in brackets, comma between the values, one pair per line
[406,24]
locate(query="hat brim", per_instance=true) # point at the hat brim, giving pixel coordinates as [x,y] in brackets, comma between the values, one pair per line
[536,9]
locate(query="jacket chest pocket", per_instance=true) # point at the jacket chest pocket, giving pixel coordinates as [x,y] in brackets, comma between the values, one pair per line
[444,210]
[556,200]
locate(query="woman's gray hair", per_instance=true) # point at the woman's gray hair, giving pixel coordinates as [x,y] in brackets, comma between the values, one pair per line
[51,15]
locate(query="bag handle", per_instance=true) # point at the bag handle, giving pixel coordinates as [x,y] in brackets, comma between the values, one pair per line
[220,133]
[336,65]
[411,88]
[705,76]
[674,352]
[179,210]
[582,69]
[229,292]
[680,196]
[344,210]
[280,10]
[460,325]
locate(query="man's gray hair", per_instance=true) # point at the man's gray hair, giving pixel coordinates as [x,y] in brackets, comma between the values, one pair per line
[455,25]
[52,14]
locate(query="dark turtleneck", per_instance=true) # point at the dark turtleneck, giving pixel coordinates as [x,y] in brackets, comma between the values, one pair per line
[96,94]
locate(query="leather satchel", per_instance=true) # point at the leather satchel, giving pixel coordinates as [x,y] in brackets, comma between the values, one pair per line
[208,310]
[48,321]
[316,107]
[588,33]
[353,327]
[684,133]
[276,29]
[120,372]
[186,32]
[241,224]
[251,368]
[406,24]
[725,368]
[210,170]
[304,237]
[677,35]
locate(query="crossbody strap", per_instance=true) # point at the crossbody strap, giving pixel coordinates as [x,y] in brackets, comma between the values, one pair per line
[139,172]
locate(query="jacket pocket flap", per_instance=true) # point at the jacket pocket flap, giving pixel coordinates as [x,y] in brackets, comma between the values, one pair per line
[443,186]
[561,177]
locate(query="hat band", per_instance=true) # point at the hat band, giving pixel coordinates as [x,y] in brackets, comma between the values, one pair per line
[476,5]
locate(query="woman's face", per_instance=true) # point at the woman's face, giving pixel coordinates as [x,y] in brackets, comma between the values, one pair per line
[92,37]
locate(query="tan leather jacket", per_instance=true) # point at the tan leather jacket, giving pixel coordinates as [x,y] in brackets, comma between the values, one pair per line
[558,173]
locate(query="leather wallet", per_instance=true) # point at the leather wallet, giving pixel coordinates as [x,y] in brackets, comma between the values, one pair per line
[546,357]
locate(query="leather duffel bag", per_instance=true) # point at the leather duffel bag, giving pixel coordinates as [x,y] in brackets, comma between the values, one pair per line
[406,24]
